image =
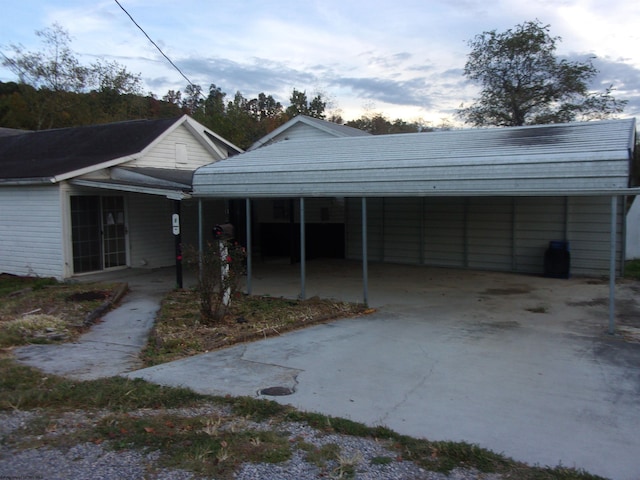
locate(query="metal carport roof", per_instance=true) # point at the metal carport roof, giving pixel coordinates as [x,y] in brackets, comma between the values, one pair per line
[588,158]
[585,158]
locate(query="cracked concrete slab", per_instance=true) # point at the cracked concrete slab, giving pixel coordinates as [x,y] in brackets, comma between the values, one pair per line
[224,372]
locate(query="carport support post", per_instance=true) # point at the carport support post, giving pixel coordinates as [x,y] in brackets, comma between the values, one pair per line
[612,265]
[303,253]
[249,266]
[365,260]
[200,240]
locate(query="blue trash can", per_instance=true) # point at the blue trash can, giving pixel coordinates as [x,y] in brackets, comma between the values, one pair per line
[557,260]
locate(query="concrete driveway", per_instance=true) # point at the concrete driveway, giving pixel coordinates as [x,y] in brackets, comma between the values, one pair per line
[517,364]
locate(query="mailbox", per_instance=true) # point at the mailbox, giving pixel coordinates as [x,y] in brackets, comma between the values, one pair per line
[224,231]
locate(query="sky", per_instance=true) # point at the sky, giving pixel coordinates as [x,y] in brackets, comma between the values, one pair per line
[402,59]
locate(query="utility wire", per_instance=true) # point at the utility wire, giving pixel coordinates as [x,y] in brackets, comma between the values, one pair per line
[195,89]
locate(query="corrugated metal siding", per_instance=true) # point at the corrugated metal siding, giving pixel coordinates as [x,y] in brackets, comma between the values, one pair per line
[375,228]
[540,160]
[538,220]
[444,232]
[487,233]
[31,231]
[589,234]
[402,230]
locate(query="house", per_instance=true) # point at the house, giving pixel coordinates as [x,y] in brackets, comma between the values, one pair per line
[491,199]
[302,127]
[87,199]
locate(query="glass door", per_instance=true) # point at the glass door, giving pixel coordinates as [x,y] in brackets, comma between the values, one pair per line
[98,232]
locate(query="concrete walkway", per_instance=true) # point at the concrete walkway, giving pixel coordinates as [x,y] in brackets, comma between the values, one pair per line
[517,364]
[112,346]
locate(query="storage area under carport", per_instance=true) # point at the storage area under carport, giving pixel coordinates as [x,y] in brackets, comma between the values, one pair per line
[484,199]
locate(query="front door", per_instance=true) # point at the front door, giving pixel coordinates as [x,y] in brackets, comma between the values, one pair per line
[98,232]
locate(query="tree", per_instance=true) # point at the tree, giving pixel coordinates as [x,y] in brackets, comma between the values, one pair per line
[378,124]
[523,83]
[300,105]
[59,91]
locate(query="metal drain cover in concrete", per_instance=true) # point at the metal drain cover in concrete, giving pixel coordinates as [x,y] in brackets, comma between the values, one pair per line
[276,391]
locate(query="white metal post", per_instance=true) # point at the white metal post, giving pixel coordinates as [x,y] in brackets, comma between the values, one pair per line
[249,246]
[612,265]
[303,253]
[365,259]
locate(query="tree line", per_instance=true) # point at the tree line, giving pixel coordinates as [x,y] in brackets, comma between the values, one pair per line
[521,81]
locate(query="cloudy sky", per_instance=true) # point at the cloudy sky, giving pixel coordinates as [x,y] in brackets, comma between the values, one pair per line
[403,59]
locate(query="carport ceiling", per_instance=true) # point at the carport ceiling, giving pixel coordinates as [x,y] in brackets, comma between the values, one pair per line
[589,158]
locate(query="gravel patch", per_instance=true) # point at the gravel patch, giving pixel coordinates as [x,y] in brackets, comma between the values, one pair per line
[358,458]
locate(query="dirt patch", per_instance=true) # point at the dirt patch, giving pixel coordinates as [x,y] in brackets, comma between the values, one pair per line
[69,303]
[88,296]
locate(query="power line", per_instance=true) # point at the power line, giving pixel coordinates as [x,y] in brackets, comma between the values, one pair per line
[195,89]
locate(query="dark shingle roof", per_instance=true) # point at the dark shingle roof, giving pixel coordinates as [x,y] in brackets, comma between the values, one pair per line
[48,153]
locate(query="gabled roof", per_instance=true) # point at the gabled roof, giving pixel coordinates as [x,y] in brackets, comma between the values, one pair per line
[331,128]
[589,158]
[58,154]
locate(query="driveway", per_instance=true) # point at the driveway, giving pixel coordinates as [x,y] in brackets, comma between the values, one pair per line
[518,364]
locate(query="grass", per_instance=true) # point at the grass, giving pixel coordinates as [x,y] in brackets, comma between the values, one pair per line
[632,269]
[42,310]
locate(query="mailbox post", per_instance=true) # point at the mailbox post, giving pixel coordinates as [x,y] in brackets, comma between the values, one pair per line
[222,233]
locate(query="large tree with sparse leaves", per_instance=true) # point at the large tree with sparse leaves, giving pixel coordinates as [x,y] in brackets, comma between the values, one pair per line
[523,82]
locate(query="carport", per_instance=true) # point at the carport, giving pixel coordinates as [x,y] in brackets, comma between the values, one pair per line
[583,167]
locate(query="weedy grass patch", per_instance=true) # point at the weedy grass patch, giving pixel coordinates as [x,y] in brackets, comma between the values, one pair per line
[179,331]
[42,310]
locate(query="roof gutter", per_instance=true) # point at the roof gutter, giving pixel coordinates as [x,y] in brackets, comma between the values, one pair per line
[27,181]
[165,192]
[450,193]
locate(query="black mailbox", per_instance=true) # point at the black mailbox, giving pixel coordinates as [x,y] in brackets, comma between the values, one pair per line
[224,231]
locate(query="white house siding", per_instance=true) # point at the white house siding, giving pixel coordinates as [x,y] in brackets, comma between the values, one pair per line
[633,231]
[31,231]
[170,152]
[151,240]
[485,233]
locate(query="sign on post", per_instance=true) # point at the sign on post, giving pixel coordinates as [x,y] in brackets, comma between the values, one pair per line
[175,221]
